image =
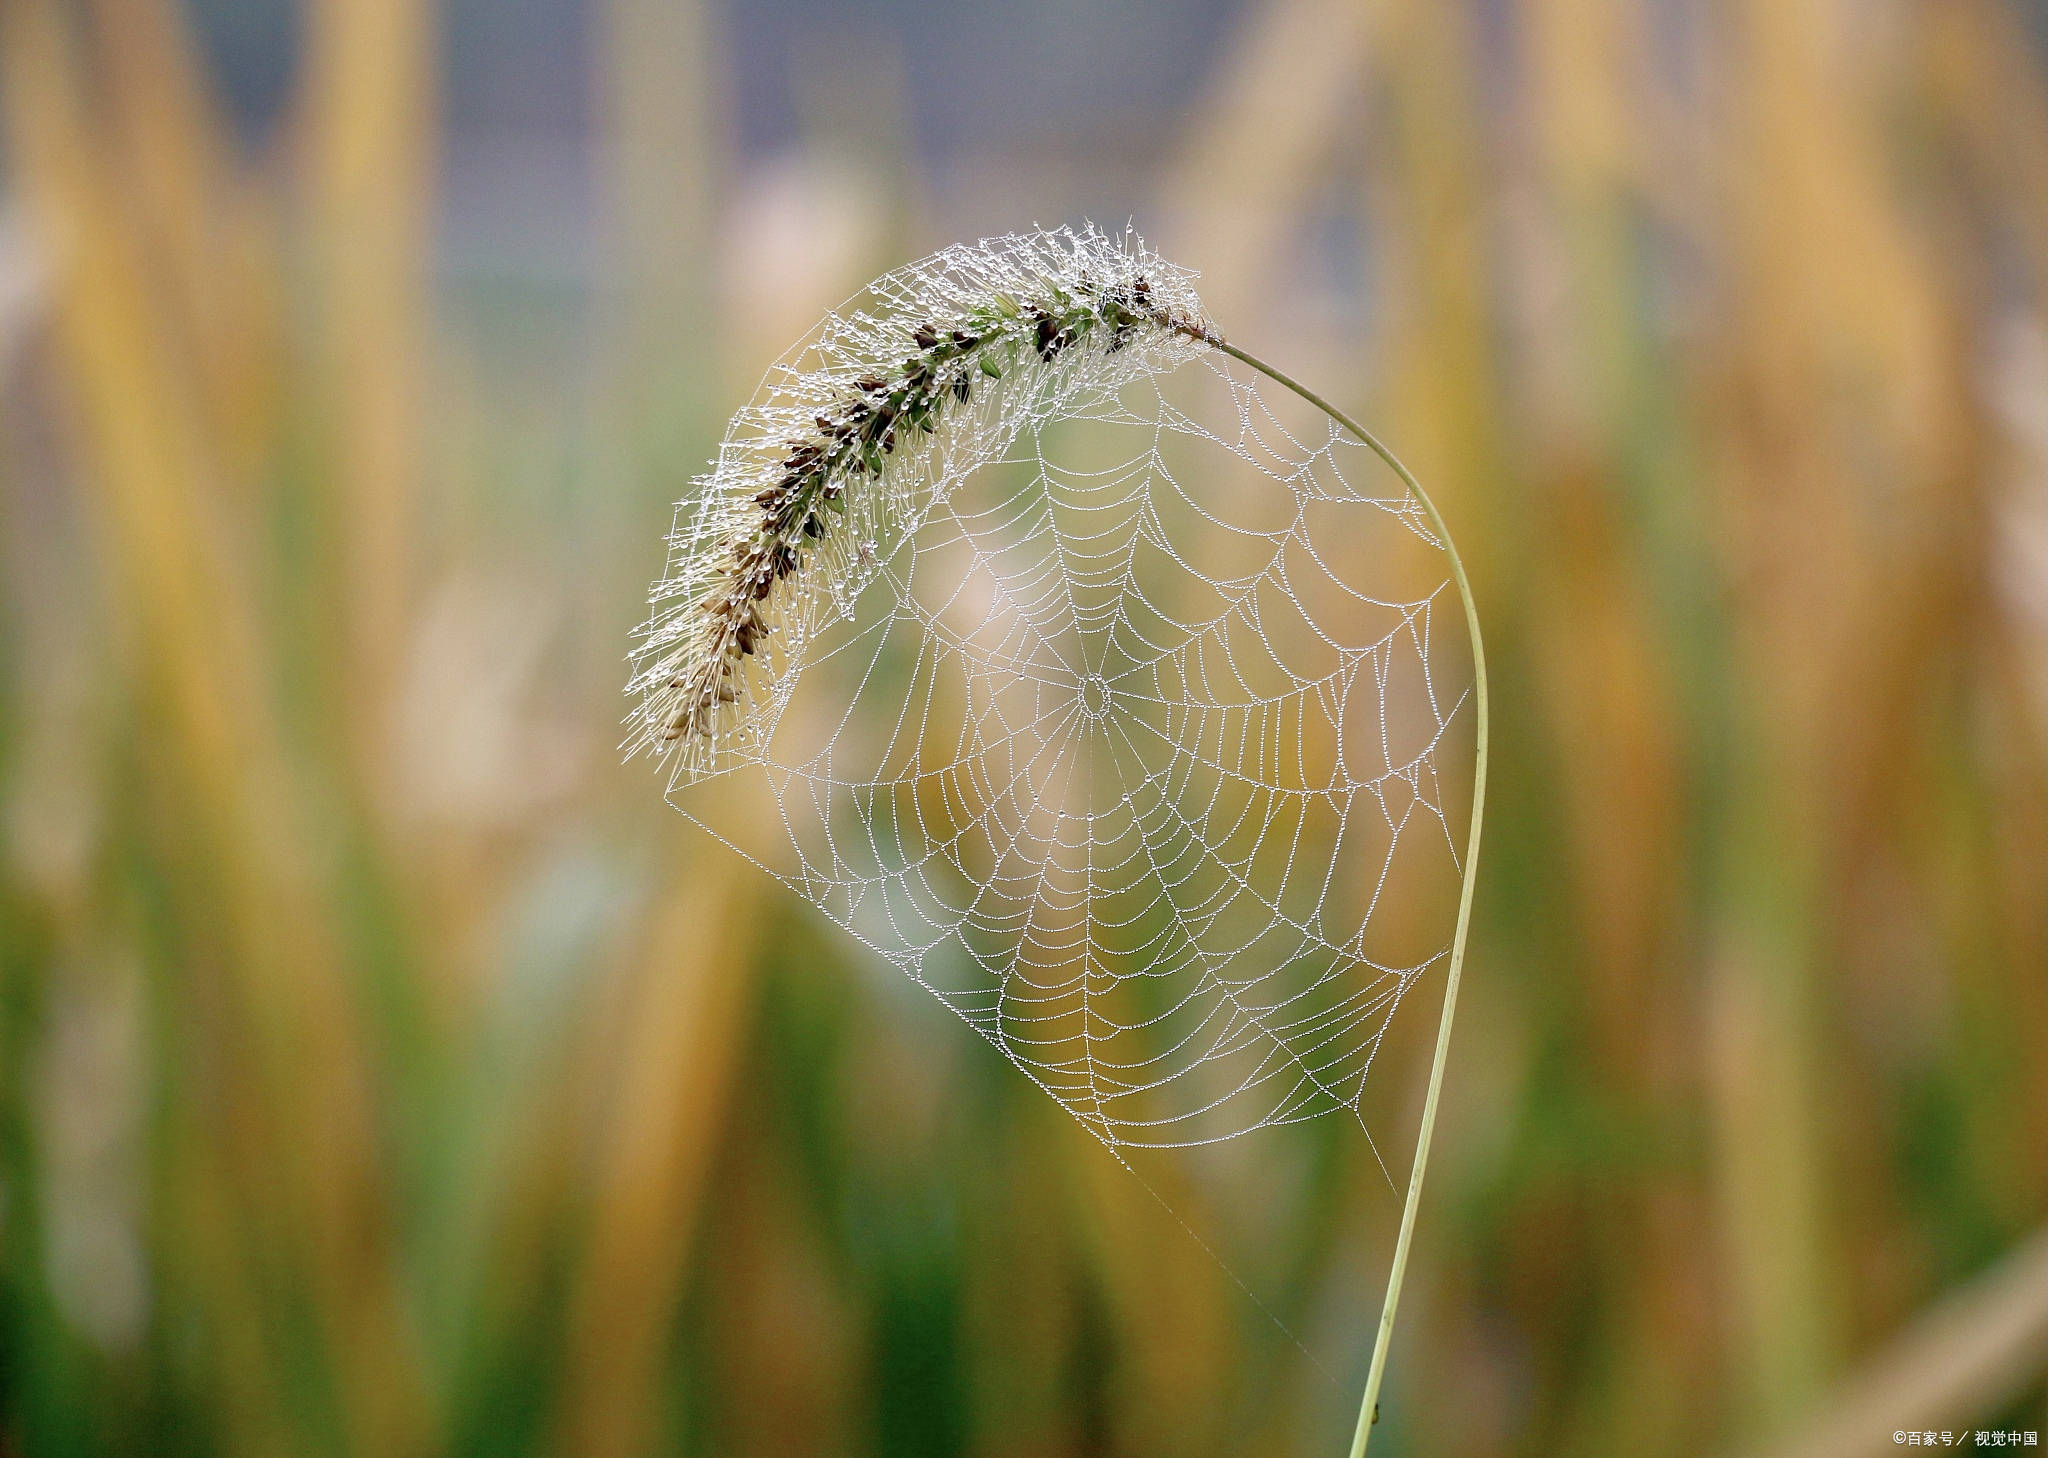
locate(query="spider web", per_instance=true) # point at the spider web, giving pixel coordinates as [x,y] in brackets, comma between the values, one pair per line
[1122,737]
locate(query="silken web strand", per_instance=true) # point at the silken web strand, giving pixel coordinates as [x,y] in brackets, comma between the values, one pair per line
[1096,718]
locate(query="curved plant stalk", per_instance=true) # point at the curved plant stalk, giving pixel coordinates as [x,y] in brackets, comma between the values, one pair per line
[819,455]
[1368,1409]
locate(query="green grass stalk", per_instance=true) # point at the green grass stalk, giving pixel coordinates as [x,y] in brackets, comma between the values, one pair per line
[1368,1408]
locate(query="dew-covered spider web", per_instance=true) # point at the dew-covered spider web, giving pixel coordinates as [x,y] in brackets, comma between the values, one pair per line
[1130,744]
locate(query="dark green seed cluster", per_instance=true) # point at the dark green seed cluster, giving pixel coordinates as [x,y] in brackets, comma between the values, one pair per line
[852,440]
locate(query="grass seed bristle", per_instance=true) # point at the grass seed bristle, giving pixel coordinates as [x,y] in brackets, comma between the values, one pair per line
[1069,291]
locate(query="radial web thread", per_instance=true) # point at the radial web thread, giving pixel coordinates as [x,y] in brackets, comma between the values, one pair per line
[1119,731]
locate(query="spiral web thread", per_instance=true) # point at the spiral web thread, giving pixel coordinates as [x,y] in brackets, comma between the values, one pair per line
[1121,774]
[1109,712]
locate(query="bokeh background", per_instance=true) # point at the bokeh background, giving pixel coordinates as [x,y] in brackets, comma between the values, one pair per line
[385,1070]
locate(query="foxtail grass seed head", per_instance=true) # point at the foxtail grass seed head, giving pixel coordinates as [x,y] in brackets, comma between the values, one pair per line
[856,435]
[851,469]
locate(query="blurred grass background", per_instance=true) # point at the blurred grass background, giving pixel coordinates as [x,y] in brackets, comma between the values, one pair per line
[384,1070]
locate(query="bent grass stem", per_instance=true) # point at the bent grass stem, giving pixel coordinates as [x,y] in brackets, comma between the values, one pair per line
[1369,1403]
